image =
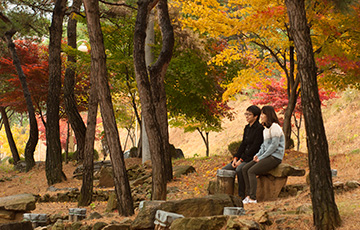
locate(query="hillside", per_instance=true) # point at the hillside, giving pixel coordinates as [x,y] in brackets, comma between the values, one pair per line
[341,120]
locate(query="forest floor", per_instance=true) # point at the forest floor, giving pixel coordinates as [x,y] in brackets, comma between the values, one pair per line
[195,185]
[341,120]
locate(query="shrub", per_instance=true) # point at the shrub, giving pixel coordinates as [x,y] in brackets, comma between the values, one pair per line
[133,152]
[73,156]
[11,160]
[233,147]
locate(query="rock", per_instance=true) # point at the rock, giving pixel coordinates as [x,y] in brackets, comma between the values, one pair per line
[262,217]
[99,225]
[94,215]
[203,206]
[235,222]
[21,202]
[285,170]
[281,220]
[292,190]
[5,214]
[63,197]
[352,184]
[338,186]
[53,218]
[59,225]
[112,203]
[195,207]
[304,209]
[172,190]
[183,170]
[97,166]
[106,178]
[243,224]
[86,227]
[193,223]
[25,225]
[141,180]
[76,225]
[150,204]
[117,227]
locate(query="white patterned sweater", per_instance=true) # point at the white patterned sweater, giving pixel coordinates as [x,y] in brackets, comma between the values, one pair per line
[274,143]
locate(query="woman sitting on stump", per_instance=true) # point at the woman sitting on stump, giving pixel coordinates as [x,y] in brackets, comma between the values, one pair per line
[269,156]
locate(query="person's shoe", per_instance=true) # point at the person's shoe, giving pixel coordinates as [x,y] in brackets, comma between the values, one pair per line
[246,200]
[250,201]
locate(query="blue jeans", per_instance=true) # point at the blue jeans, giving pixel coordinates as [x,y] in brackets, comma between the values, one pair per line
[240,178]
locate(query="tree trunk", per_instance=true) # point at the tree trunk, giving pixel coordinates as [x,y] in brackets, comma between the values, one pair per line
[34,133]
[292,93]
[149,59]
[293,96]
[88,173]
[14,151]
[152,92]
[325,212]
[53,162]
[157,77]
[77,124]
[206,141]
[99,73]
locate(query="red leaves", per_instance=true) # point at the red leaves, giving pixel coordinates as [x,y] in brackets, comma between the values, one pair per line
[275,94]
[35,67]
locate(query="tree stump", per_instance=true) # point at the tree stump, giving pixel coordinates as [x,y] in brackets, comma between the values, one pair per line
[225,181]
[77,214]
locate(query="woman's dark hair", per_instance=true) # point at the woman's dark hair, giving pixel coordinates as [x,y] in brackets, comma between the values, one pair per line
[271,116]
[256,111]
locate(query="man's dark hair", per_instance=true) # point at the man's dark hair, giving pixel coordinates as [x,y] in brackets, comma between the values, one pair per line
[255,111]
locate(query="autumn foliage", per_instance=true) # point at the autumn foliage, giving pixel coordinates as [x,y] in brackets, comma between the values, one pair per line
[36,68]
[272,91]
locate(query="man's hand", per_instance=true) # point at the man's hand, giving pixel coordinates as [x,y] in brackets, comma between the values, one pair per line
[234,162]
[256,159]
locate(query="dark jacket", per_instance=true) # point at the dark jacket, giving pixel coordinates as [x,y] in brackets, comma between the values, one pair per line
[252,140]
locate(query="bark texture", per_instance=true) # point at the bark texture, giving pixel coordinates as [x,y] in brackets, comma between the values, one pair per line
[88,175]
[152,92]
[326,214]
[53,164]
[99,73]
[34,133]
[77,124]
[9,136]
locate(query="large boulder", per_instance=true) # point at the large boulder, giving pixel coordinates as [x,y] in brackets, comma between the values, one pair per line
[25,225]
[196,223]
[215,223]
[180,170]
[106,179]
[285,170]
[194,207]
[21,202]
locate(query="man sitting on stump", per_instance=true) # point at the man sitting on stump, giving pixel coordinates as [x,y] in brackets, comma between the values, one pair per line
[250,145]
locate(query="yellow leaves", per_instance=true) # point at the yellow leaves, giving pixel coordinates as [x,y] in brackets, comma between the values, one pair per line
[240,82]
[20,134]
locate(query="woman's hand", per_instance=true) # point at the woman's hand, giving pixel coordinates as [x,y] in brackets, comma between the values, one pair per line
[256,159]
